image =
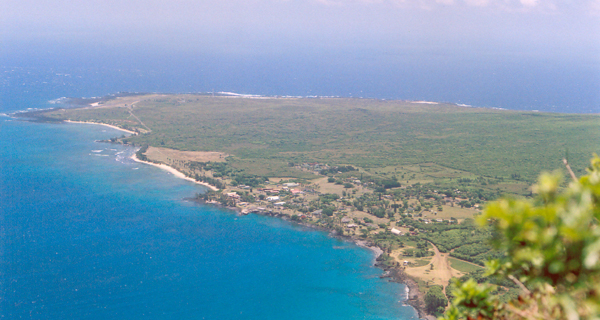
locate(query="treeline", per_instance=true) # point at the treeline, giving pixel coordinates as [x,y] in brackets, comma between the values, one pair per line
[224,199]
[477,253]
[224,170]
[140,154]
[219,184]
[335,170]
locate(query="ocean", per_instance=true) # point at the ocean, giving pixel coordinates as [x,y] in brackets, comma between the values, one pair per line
[86,233]
[515,83]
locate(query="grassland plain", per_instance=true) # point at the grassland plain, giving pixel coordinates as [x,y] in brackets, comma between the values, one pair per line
[273,132]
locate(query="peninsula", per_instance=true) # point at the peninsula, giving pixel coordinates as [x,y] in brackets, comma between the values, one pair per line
[404,177]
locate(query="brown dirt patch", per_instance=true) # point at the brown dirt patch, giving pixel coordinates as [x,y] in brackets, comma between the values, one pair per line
[441,273]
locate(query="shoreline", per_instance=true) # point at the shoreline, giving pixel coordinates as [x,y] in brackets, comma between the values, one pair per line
[162,166]
[394,274]
[174,172]
[414,297]
[102,124]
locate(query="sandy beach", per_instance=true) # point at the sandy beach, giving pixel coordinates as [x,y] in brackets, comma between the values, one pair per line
[165,167]
[176,173]
[102,124]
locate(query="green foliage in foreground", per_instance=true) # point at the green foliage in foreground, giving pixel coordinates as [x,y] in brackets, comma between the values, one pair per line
[553,253]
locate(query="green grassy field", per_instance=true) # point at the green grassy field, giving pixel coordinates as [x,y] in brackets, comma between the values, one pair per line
[420,263]
[463,266]
[432,142]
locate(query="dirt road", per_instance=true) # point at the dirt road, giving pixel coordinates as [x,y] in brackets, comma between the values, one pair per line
[441,272]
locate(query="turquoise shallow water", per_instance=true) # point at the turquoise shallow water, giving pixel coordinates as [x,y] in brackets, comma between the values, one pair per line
[88,234]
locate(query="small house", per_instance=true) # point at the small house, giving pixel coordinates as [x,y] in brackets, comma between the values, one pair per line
[291,184]
[233,195]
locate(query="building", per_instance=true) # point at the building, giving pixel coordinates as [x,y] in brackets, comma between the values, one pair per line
[233,195]
[291,184]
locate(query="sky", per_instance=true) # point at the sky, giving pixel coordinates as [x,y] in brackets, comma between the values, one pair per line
[370,34]
[565,28]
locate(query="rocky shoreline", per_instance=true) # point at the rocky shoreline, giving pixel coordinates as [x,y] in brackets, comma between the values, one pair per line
[415,297]
[396,274]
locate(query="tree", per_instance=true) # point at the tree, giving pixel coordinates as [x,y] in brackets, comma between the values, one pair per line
[552,245]
[379,212]
[328,211]
[435,300]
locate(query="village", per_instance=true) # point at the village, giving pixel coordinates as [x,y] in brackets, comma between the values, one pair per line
[422,232]
[349,207]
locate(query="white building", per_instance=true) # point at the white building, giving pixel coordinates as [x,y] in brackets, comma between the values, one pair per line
[291,184]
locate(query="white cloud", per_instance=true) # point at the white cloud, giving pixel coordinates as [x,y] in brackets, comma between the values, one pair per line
[529,3]
[477,3]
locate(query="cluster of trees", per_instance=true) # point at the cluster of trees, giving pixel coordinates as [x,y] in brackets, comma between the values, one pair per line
[328,197]
[417,253]
[455,238]
[435,300]
[336,170]
[386,260]
[212,181]
[140,154]
[477,253]
[390,183]
[224,170]
[247,179]
[224,199]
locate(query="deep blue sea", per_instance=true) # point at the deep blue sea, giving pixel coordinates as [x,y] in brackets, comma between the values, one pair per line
[510,82]
[85,233]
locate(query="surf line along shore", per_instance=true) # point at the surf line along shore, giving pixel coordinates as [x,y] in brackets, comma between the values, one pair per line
[174,172]
[102,124]
[394,274]
[162,166]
